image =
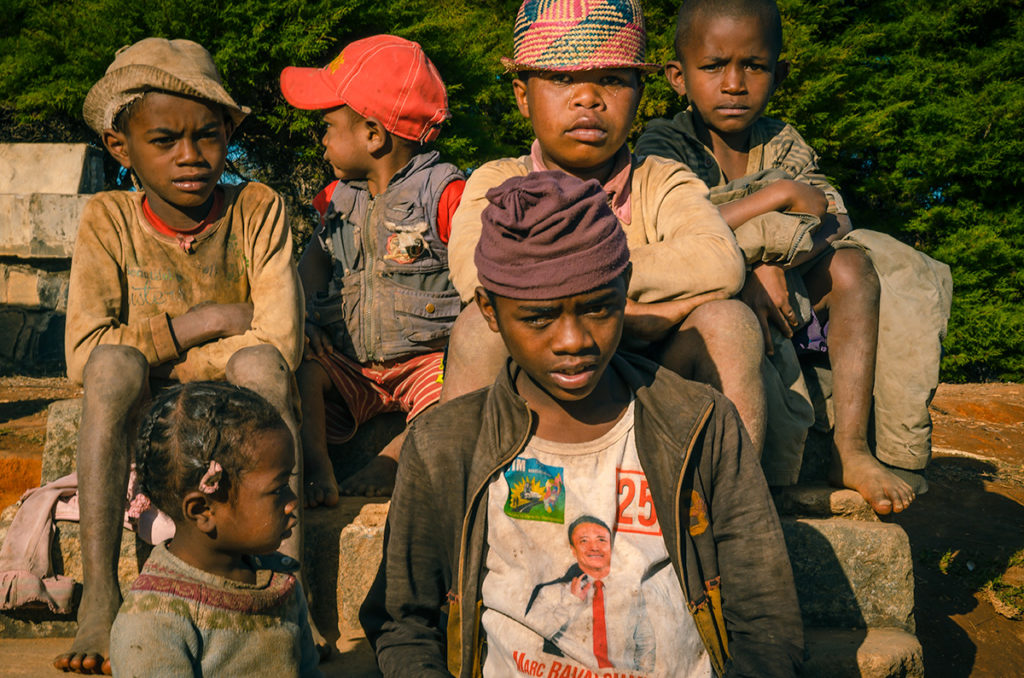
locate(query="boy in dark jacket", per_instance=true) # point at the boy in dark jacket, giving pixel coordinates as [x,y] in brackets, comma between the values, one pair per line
[576,445]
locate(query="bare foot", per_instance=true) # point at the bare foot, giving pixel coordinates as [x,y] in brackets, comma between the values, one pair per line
[321,488]
[915,479]
[90,651]
[376,479]
[858,470]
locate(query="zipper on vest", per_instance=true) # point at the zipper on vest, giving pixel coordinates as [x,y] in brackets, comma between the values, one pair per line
[369,272]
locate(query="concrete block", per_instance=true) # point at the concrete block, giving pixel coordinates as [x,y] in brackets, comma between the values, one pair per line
[34,288]
[50,168]
[343,547]
[870,653]
[822,501]
[851,573]
[40,225]
[63,418]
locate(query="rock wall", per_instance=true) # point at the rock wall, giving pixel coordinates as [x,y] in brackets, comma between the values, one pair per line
[43,189]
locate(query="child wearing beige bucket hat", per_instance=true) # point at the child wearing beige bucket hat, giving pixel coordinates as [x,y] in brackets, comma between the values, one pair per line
[578,67]
[185,279]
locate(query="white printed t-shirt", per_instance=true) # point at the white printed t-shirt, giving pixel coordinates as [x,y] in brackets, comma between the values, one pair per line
[541,610]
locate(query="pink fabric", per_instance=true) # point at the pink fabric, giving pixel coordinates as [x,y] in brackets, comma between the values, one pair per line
[26,572]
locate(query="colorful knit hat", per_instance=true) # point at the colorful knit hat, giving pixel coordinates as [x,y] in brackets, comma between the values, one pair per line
[549,235]
[578,35]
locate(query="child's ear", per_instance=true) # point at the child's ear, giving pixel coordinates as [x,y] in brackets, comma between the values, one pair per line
[483,302]
[117,145]
[377,138]
[519,88]
[229,127]
[674,75]
[195,507]
[781,71]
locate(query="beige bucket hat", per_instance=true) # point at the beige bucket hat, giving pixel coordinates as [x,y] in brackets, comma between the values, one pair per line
[176,66]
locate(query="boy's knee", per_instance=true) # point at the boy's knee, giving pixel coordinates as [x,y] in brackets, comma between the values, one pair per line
[851,270]
[257,364]
[727,325]
[116,373]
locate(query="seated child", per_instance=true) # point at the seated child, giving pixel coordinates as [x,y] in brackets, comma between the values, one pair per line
[217,459]
[184,279]
[791,224]
[379,302]
[577,69]
[589,513]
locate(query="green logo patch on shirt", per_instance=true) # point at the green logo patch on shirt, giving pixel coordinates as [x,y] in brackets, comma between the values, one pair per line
[535,491]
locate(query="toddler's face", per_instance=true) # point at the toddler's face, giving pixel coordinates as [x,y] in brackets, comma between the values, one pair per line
[580,118]
[344,147]
[261,511]
[728,72]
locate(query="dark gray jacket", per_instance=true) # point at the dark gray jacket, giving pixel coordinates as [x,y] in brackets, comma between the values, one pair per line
[423,612]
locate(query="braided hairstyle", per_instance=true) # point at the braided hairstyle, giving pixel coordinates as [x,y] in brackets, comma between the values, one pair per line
[191,424]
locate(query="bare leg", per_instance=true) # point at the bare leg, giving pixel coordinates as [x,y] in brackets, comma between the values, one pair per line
[263,370]
[720,344]
[475,355]
[844,289]
[321,486]
[116,386]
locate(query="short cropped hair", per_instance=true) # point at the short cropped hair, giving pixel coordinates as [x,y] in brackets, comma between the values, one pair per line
[585,519]
[765,11]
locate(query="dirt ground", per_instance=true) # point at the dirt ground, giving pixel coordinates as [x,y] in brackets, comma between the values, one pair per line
[965,533]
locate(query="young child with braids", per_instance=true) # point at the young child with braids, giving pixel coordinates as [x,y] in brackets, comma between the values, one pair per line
[216,600]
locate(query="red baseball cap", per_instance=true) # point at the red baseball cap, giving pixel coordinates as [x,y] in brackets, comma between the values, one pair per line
[384,77]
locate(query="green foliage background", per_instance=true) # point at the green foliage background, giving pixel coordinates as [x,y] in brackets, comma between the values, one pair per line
[915,108]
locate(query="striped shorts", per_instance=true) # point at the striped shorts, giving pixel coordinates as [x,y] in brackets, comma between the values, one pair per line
[365,391]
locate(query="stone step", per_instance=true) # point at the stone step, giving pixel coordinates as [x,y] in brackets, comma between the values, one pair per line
[851,573]
[862,653]
[818,500]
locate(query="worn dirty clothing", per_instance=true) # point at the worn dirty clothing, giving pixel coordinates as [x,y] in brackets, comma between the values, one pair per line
[389,295]
[423,611]
[178,620]
[678,242]
[539,604]
[409,386]
[128,281]
[916,289]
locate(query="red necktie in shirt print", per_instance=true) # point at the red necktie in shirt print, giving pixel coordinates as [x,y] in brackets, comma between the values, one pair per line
[600,631]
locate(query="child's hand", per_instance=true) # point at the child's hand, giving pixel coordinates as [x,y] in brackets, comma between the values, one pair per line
[801,197]
[318,342]
[767,294]
[651,322]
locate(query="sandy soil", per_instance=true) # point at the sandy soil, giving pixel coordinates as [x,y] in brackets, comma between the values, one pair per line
[962,533]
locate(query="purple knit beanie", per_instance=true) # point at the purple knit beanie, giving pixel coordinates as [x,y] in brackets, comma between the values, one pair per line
[548,235]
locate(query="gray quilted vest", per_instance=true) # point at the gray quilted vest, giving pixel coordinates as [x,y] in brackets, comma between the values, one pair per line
[389,295]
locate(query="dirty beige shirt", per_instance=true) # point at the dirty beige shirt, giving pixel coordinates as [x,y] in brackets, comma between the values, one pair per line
[679,245]
[128,281]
